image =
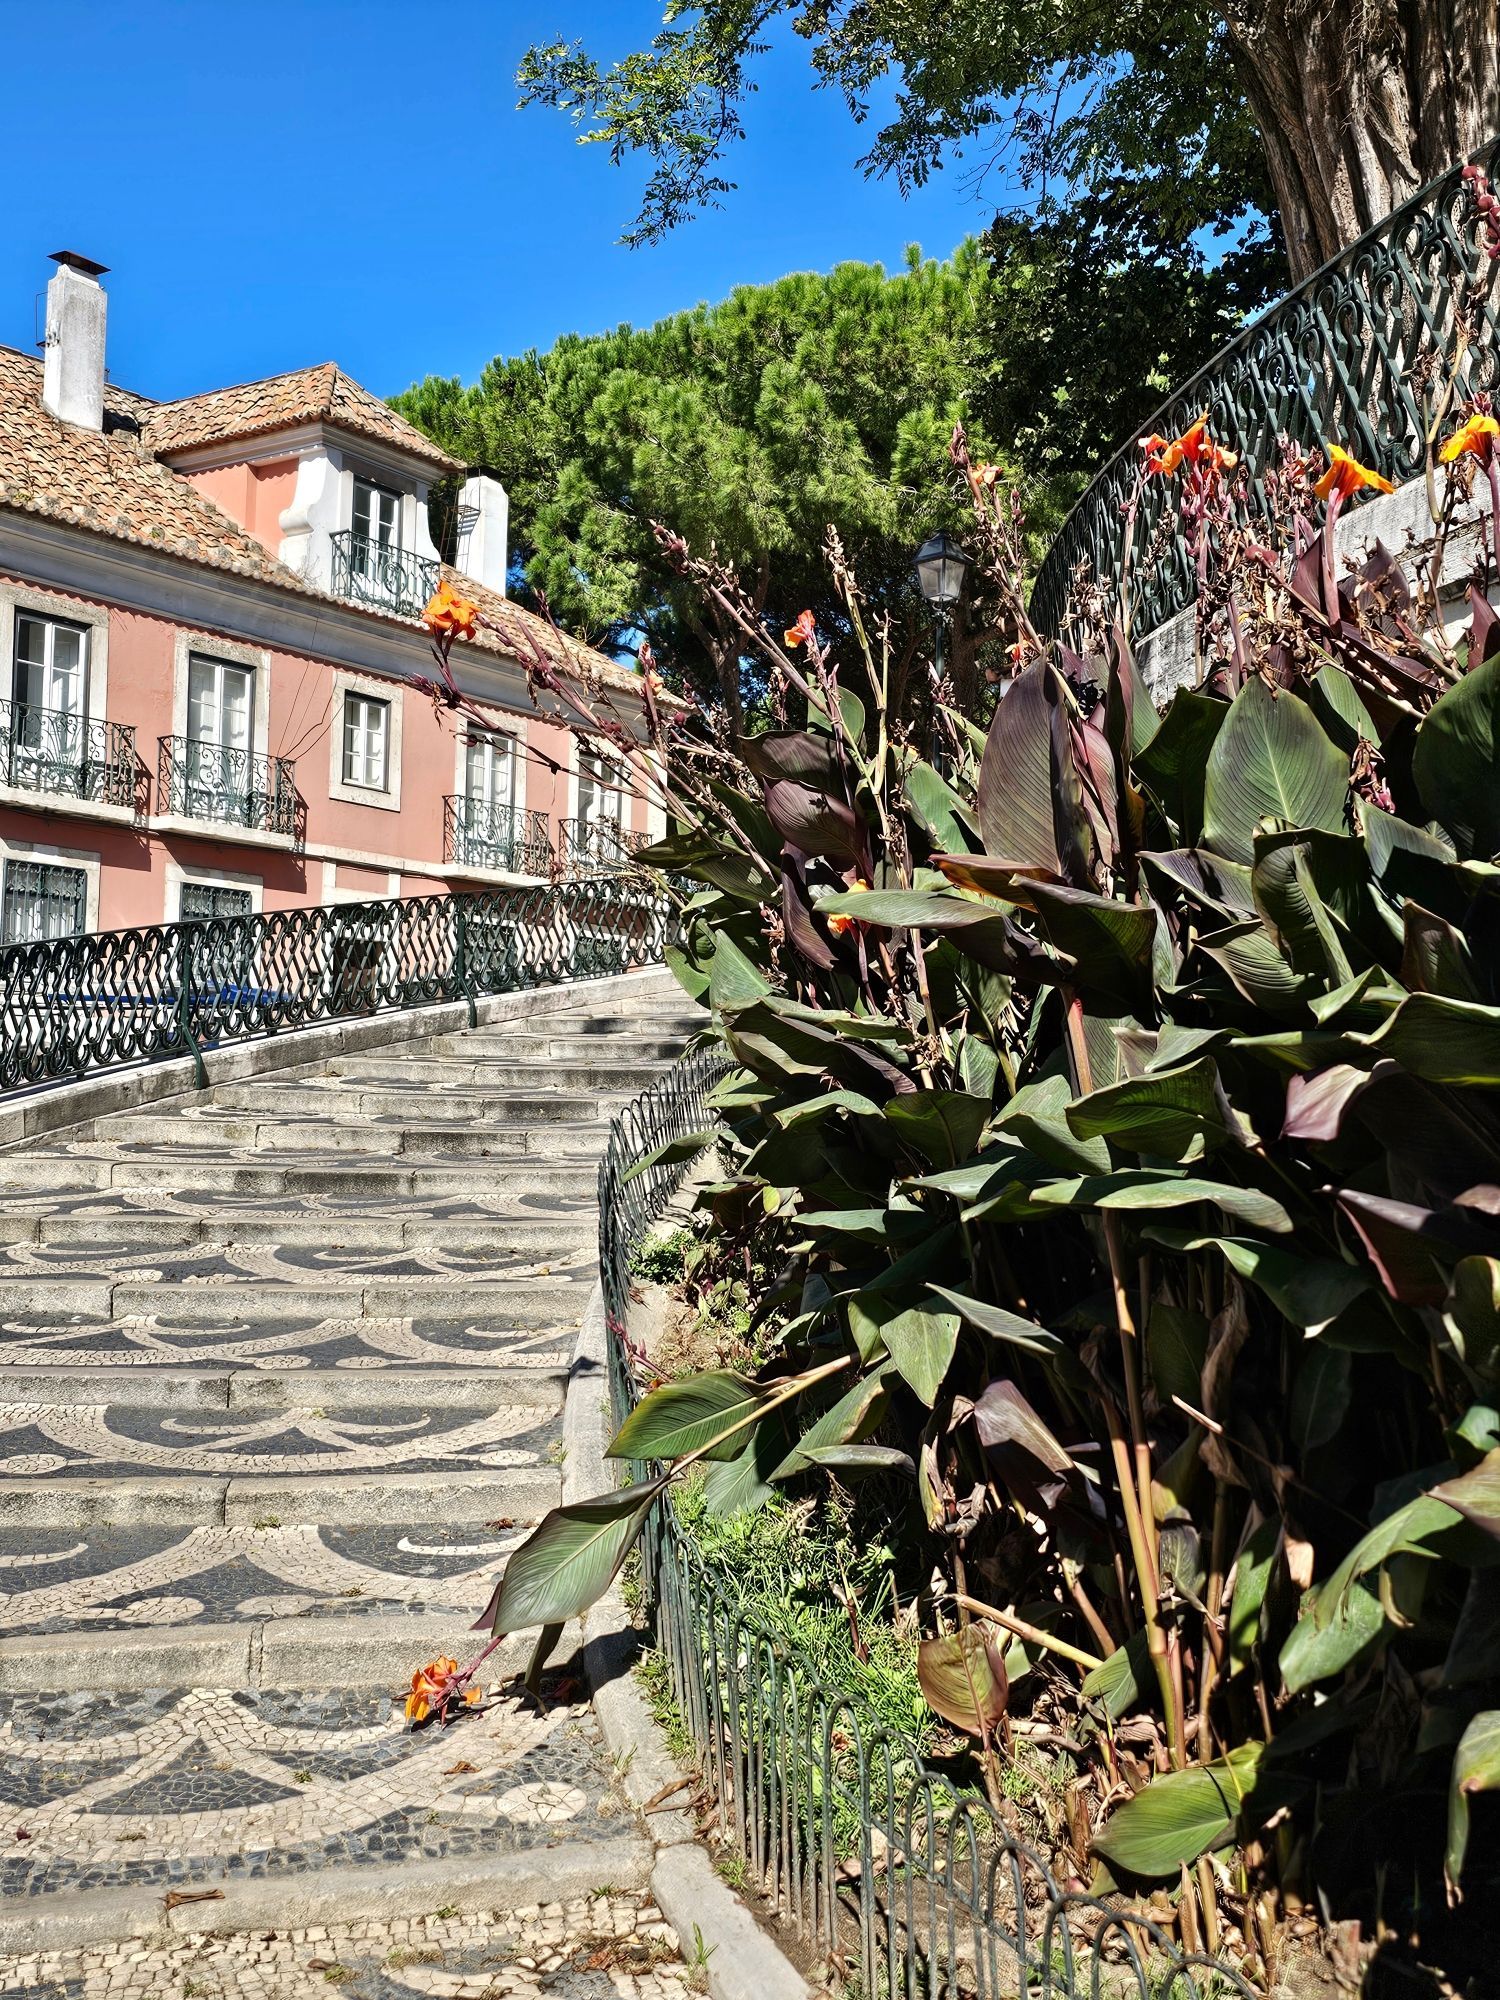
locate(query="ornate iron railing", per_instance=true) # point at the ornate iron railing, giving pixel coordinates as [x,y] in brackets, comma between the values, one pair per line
[73,756]
[380,576]
[479,836]
[858,1844]
[1347,356]
[598,843]
[226,787]
[72,1006]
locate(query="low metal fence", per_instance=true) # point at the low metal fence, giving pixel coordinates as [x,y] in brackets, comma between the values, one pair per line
[70,1007]
[911,1885]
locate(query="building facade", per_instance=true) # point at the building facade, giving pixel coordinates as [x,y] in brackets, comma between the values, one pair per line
[210,630]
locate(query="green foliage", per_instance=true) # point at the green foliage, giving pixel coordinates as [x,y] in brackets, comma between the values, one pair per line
[751,427]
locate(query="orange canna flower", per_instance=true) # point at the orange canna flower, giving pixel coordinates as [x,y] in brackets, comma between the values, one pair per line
[448,612]
[803,632]
[1477,435]
[1346,476]
[1194,447]
[432,1688]
[836,920]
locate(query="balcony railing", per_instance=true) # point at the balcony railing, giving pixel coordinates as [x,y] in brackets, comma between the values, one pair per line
[227,787]
[69,756]
[476,835]
[381,577]
[1346,357]
[597,843]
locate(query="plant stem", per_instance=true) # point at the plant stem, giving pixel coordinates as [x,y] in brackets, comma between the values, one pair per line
[1032,1634]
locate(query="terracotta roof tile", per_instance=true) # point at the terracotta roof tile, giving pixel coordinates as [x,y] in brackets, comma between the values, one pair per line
[307,395]
[109,483]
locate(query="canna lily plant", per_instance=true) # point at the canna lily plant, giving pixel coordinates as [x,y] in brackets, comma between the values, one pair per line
[1120,1091]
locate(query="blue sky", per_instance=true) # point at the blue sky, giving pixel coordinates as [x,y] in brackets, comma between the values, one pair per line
[296,181]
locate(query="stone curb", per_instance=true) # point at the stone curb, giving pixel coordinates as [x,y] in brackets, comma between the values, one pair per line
[56,1106]
[561,1873]
[743,1962]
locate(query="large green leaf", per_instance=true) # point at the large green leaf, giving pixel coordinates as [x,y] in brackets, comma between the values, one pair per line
[733,981]
[1271,760]
[849,1420]
[998,1323]
[938,807]
[920,1343]
[1475,1493]
[1038,1116]
[1148,1188]
[1171,1114]
[1176,1348]
[1181,1815]
[1174,762]
[1016,780]
[1456,761]
[943,1125]
[963,1678]
[1321,1394]
[569,1559]
[1253,1569]
[1476,1768]
[908,909]
[686,1146]
[1309,1291]
[1443,1041]
[679,1417]
[1121,1681]
[1109,942]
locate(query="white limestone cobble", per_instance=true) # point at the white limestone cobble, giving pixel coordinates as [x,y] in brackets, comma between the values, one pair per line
[598,1946]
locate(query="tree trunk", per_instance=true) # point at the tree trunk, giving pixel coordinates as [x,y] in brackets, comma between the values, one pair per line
[1360,103]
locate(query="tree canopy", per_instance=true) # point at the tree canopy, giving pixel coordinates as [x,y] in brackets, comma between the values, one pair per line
[749,427]
[1211,111]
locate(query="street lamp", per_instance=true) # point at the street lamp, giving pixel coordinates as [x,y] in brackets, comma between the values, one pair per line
[940,566]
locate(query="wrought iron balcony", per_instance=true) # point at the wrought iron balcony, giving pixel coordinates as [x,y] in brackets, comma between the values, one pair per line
[381,577]
[597,843]
[476,835]
[1343,357]
[69,756]
[226,787]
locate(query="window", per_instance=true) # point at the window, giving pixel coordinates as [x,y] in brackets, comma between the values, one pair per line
[490,771]
[47,729]
[220,774]
[201,902]
[42,900]
[51,664]
[599,795]
[367,729]
[376,524]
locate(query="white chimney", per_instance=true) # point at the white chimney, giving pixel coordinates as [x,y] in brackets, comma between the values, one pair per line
[73,357]
[483,528]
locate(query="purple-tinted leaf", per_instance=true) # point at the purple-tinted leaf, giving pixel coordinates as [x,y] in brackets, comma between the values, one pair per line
[1017,781]
[815,821]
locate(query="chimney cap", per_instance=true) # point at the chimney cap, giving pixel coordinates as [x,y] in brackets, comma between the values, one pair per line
[76,262]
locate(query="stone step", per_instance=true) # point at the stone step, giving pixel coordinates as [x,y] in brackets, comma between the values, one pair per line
[519,1046]
[67,1171]
[110,1229]
[572,1124]
[174,1387]
[424,1101]
[207,1292]
[475,1043]
[290,1345]
[154,1586]
[315,1499]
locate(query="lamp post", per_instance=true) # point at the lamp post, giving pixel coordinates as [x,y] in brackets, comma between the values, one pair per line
[940,564]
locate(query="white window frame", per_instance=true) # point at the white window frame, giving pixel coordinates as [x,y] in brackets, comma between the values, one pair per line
[60,857]
[94,618]
[208,878]
[366,745]
[367,688]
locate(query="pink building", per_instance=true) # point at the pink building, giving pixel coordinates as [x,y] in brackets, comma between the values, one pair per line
[210,617]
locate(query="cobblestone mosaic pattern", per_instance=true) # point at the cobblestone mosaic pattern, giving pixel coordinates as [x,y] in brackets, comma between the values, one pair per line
[191,1787]
[89,1440]
[168,1281]
[123,1578]
[609,1947]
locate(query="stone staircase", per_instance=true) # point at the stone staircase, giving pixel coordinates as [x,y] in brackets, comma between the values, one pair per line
[281,1379]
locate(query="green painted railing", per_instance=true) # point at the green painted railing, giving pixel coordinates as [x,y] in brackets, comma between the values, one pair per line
[71,756]
[381,576]
[1349,356]
[70,1007]
[878,1861]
